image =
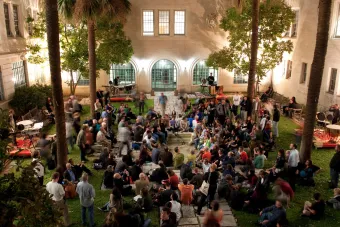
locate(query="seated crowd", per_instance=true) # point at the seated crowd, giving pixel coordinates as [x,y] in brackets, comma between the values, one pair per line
[231,141]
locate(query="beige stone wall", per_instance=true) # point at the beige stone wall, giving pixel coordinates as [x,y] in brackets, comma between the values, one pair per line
[183,50]
[304,46]
[12,49]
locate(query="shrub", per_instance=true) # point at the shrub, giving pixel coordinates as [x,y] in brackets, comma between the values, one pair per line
[27,98]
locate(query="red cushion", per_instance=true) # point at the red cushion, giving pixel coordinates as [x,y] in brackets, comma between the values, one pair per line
[23,153]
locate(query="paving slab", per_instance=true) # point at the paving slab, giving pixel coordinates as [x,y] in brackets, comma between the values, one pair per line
[188,221]
[228,221]
[188,212]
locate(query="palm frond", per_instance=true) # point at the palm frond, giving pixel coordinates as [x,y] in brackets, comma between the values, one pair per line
[115,10]
[66,8]
[87,9]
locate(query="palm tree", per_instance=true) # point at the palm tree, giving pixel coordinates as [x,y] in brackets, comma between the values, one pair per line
[254,49]
[52,29]
[316,74]
[90,11]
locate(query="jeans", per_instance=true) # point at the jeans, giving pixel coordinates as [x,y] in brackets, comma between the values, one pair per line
[82,153]
[91,215]
[70,142]
[334,177]
[275,129]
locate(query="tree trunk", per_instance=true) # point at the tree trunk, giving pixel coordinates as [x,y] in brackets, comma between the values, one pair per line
[92,64]
[52,29]
[72,83]
[254,49]
[316,77]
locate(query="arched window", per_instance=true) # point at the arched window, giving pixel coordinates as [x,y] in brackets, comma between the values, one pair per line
[202,71]
[126,73]
[164,76]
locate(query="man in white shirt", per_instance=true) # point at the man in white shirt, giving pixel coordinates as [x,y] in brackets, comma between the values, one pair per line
[293,162]
[236,102]
[58,193]
[256,107]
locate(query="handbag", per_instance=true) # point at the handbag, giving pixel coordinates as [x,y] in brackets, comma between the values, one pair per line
[205,186]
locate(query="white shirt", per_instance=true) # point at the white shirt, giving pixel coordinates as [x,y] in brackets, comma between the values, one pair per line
[176,208]
[56,190]
[39,168]
[206,167]
[194,123]
[293,159]
[236,100]
[263,122]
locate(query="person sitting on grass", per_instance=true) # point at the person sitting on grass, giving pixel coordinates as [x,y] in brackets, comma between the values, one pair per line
[335,201]
[314,210]
[270,216]
[175,206]
[173,179]
[259,160]
[116,202]
[108,177]
[146,201]
[307,173]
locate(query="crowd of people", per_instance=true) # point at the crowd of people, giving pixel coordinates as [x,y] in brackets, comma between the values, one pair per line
[231,141]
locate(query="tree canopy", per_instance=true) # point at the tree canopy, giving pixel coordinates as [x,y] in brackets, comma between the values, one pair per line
[275,19]
[113,47]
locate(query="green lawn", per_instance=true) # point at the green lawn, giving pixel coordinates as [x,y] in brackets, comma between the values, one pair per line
[101,196]
[321,158]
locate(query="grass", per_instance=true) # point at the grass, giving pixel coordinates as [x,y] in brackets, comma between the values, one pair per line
[321,158]
[101,196]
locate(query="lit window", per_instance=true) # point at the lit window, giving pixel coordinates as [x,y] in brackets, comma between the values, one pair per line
[337,28]
[148,27]
[289,69]
[164,22]
[202,71]
[179,22]
[16,20]
[19,75]
[240,78]
[292,30]
[80,81]
[7,21]
[332,81]
[125,72]
[303,75]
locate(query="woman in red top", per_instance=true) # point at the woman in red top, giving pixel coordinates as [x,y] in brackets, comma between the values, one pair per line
[173,179]
[243,157]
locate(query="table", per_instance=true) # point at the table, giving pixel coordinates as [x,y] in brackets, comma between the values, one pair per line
[26,123]
[335,128]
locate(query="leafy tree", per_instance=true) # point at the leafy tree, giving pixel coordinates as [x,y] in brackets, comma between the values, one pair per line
[23,202]
[114,48]
[91,12]
[274,20]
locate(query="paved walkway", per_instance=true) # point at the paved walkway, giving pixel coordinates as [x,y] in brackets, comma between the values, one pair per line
[191,219]
[174,103]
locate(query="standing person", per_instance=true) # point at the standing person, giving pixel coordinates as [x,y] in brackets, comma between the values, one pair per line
[293,162]
[256,109]
[81,142]
[336,113]
[38,167]
[211,178]
[116,81]
[334,166]
[124,137]
[244,108]
[214,216]
[141,103]
[163,101]
[86,195]
[178,158]
[275,122]
[58,193]
[236,103]
[69,132]
[98,108]
[222,111]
